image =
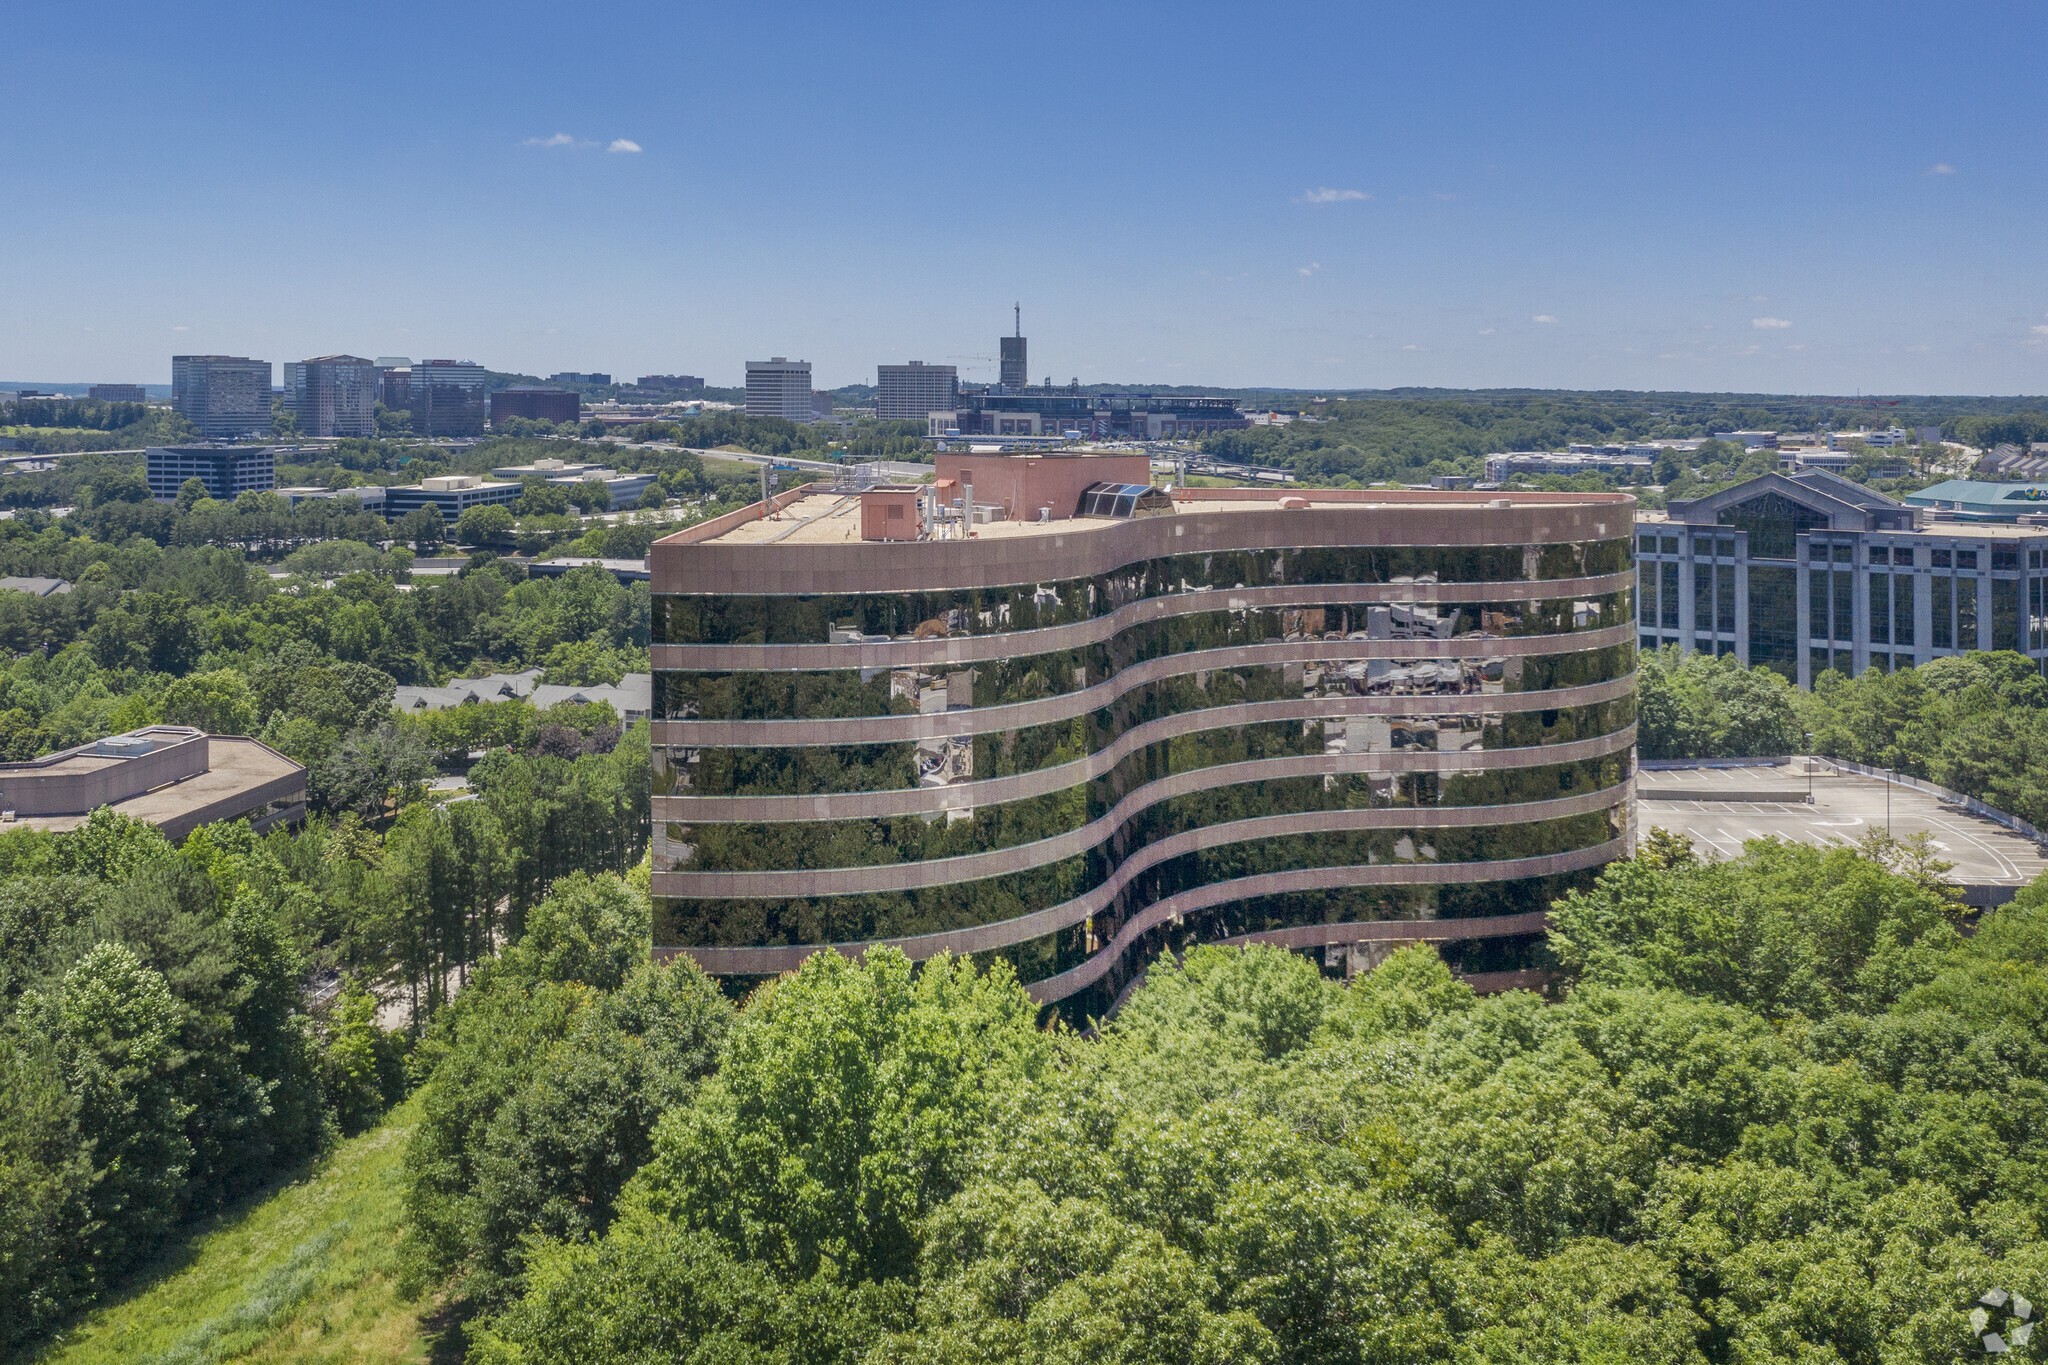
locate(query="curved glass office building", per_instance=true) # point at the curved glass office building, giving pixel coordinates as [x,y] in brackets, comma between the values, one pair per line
[1041,711]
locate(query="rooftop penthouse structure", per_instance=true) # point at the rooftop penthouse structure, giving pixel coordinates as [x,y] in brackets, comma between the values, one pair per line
[1042,710]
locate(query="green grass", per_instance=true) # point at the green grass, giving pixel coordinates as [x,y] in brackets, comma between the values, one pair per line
[308,1273]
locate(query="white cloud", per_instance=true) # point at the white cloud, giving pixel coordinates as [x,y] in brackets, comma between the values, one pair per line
[181,327]
[1488,331]
[1411,346]
[1323,194]
[1941,168]
[623,144]
[1441,196]
[558,140]
[1770,324]
[1307,270]
[1543,317]
[2040,329]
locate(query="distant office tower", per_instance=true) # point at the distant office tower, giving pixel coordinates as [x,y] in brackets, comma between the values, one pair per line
[908,392]
[225,396]
[447,397]
[578,377]
[394,377]
[227,471]
[562,406]
[779,388]
[117,393]
[334,395]
[1015,372]
[674,383]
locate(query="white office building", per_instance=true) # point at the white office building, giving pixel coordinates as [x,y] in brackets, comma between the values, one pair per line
[910,393]
[779,388]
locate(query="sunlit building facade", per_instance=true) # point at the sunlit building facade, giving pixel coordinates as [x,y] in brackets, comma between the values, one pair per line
[1808,572]
[1337,721]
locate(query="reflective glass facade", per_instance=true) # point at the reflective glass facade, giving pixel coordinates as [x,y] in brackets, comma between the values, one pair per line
[1072,773]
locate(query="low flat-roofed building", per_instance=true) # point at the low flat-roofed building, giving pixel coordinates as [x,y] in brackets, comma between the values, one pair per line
[1629,465]
[625,570]
[454,494]
[39,587]
[117,393]
[171,776]
[371,496]
[625,489]
[1975,500]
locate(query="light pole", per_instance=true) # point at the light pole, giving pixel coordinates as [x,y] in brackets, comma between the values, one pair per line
[1892,775]
[1809,767]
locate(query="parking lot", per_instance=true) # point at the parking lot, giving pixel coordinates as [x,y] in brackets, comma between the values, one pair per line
[1718,808]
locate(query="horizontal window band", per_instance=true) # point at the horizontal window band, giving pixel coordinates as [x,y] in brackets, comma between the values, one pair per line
[905,799]
[967,648]
[1076,979]
[1072,896]
[886,877]
[1070,705]
[1133,808]
[773,960]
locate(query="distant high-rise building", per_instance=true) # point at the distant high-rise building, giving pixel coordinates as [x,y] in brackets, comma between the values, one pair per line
[394,380]
[561,406]
[226,470]
[117,393]
[673,383]
[905,393]
[447,397]
[226,396]
[779,388]
[334,395]
[576,377]
[1015,374]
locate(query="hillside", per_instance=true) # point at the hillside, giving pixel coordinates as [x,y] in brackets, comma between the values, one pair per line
[305,1274]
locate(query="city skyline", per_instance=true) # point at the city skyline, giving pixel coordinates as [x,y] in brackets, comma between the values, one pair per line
[1756,199]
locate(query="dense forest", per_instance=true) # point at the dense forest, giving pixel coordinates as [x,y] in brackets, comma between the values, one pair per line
[1406,438]
[1783,1110]
[161,1053]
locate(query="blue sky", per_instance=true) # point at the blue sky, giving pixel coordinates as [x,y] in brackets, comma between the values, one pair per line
[1781,197]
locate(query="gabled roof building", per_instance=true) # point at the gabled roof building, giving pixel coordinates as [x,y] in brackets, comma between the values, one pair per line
[1807,572]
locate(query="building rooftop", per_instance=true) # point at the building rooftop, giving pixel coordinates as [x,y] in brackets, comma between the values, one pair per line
[1973,530]
[41,587]
[1721,806]
[181,778]
[813,515]
[1976,498]
[632,696]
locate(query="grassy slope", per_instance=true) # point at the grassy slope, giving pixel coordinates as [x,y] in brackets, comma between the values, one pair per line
[307,1274]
